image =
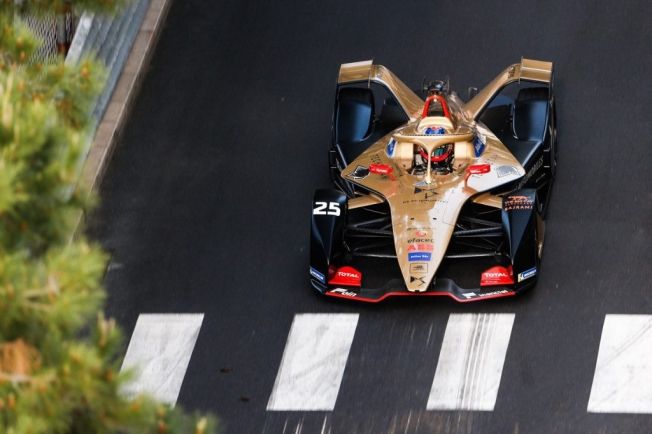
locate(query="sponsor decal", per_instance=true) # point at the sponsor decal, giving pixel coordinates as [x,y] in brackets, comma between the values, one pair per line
[418,190]
[343,292]
[420,240]
[360,172]
[528,175]
[497,275]
[419,267]
[527,274]
[380,169]
[428,196]
[518,203]
[420,279]
[479,142]
[391,147]
[419,256]
[503,171]
[420,247]
[468,295]
[347,276]
[487,294]
[317,275]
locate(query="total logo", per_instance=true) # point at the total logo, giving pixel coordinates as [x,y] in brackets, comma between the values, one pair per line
[347,274]
[496,275]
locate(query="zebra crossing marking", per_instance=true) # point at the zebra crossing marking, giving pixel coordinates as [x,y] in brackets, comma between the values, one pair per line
[471,362]
[159,352]
[622,382]
[313,362]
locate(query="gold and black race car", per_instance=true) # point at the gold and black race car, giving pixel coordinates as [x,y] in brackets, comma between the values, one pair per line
[434,195]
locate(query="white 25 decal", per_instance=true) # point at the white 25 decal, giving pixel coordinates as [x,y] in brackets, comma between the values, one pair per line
[326,208]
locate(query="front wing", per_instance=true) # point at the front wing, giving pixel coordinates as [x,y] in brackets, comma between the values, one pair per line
[441,287]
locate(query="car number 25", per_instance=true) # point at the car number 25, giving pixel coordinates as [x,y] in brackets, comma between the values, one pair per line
[326,208]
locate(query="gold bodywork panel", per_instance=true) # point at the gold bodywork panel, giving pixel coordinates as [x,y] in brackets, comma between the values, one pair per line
[533,70]
[367,71]
[366,200]
[489,199]
[424,214]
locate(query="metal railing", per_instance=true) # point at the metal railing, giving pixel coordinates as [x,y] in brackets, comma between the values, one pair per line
[109,39]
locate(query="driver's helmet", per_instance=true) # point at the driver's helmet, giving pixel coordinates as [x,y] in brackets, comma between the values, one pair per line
[441,153]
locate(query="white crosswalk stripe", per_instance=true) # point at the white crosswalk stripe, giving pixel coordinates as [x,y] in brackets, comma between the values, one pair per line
[622,382]
[471,362]
[313,362]
[159,351]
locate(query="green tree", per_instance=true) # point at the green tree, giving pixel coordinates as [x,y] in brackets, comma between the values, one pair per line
[59,357]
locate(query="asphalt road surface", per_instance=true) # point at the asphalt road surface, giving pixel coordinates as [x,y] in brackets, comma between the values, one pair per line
[206,204]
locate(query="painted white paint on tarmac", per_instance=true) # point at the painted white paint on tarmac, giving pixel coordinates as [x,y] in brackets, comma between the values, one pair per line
[313,362]
[159,352]
[622,382]
[471,362]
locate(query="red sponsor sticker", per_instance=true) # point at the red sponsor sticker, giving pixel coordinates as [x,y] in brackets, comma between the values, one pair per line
[346,276]
[380,169]
[420,247]
[496,276]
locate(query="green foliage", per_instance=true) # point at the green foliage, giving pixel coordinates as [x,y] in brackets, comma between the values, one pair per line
[39,7]
[59,357]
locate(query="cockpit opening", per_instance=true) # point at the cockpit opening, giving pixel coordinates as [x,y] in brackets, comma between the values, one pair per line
[440,160]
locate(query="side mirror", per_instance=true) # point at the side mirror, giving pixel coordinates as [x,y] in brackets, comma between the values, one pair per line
[471,92]
[380,169]
[476,169]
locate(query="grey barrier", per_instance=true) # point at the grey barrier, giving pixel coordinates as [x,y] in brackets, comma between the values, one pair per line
[109,39]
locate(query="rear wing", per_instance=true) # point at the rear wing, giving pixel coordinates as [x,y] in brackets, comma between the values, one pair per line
[529,70]
[366,71]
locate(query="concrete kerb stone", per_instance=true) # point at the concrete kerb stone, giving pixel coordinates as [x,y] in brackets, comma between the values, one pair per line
[123,96]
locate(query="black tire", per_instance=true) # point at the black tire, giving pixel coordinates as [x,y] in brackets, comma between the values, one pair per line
[550,157]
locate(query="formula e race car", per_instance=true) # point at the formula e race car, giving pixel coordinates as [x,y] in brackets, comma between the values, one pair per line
[435,196]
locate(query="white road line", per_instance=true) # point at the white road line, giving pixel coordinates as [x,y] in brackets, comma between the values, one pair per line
[471,362]
[159,352]
[313,362]
[622,382]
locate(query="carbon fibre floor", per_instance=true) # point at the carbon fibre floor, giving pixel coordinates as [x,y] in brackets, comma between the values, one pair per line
[206,204]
